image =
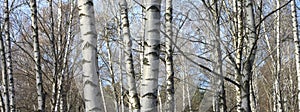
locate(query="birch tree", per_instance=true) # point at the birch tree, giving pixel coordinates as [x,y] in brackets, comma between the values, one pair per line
[5,93]
[91,92]
[296,44]
[4,84]
[239,47]
[5,75]
[54,58]
[37,57]
[111,69]
[169,58]
[219,97]
[60,75]
[133,96]
[11,90]
[149,84]
[250,57]
[278,95]
[65,70]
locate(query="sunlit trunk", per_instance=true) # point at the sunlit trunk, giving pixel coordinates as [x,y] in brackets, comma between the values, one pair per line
[91,91]
[133,96]
[149,84]
[169,59]
[37,57]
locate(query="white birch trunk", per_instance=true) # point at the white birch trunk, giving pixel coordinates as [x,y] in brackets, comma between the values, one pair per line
[297,45]
[11,90]
[2,108]
[160,109]
[54,57]
[149,84]
[37,57]
[91,91]
[4,76]
[65,72]
[102,95]
[250,57]
[169,59]
[278,94]
[121,80]
[189,97]
[112,74]
[219,92]
[239,48]
[60,75]
[183,84]
[133,96]
[120,45]
[141,46]
[5,71]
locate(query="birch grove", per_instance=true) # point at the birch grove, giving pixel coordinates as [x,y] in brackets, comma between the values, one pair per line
[149,56]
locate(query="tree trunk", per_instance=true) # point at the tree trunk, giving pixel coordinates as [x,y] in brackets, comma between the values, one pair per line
[296,44]
[6,72]
[101,88]
[169,59]
[149,84]
[278,94]
[121,79]
[188,95]
[11,90]
[61,65]
[219,93]
[250,57]
[184,83]
[160,109]
[54,57]
[91,91]
[65,70]
[102,95]
[239,48]
[133,96]
[37,57]
[112,74]
[2,108]
[142,39]
[5,93]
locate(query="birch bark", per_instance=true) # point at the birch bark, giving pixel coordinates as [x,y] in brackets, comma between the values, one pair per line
[112,74]
[5,84]
[239,48]
[296,44]
[54,57]
[11,90]
[61,65]
[219,97]
[133,96]
[37,57]
[91,92]
[5,93]
[250,57]
[149,84]
[169,58]
[278,94]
